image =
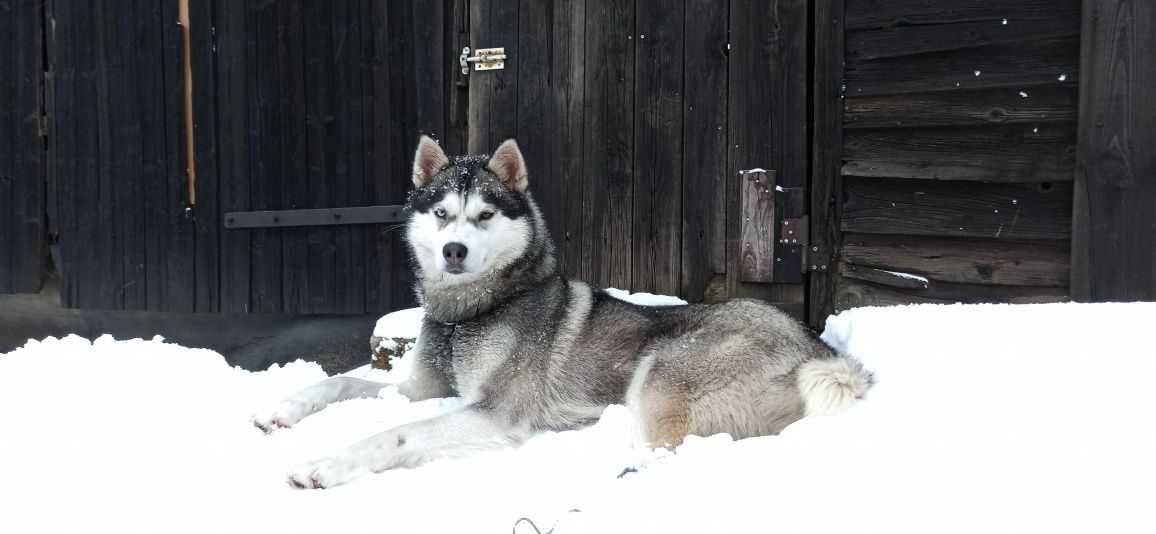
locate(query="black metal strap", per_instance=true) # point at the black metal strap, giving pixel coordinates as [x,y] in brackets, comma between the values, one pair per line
[314,217]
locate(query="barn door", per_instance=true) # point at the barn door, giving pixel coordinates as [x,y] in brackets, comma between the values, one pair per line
[636,119]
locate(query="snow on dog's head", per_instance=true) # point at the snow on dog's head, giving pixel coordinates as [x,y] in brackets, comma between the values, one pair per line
[468,215]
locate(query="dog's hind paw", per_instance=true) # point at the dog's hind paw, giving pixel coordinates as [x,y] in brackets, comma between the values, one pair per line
[286,414]
[325,473]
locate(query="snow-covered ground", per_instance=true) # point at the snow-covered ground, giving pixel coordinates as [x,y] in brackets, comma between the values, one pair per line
[985,418]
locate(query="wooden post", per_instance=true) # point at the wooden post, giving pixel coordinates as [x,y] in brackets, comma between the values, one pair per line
[1114,215]
[183,19]
[827,148]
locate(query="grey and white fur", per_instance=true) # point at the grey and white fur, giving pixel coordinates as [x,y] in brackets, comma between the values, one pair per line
[528,350]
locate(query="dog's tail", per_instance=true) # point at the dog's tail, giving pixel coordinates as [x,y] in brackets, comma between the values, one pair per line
[828,385]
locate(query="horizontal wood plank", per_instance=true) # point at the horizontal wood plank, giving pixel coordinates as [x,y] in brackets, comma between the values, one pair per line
[1015,65]
[862,14]
[854,293]
[1025,154]
[910,40]
[1007,211]
[965,261]
[962,108]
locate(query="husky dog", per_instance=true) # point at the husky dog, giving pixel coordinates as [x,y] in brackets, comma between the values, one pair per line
[529,351]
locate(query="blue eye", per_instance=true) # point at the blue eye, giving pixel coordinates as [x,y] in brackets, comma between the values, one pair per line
[440,213]
[486,215]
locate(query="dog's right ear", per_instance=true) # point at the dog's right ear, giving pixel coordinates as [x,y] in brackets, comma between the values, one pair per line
[429,159]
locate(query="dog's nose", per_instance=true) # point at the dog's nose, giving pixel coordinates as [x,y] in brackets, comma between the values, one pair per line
[455,253]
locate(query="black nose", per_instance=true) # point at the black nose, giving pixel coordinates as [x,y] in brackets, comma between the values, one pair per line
[455,253]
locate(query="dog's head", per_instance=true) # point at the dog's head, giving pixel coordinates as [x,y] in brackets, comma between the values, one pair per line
[468,215]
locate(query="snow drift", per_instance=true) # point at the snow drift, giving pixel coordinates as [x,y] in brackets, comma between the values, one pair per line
[984,418]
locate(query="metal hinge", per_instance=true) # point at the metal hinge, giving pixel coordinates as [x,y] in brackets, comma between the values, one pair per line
[486,59]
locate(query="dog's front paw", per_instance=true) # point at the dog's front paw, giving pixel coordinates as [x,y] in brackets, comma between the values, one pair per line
[326,473]
[284,415]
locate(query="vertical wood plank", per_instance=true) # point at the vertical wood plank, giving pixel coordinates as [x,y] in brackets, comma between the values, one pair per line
[157,204]
[179,293]
[767,105]
[233,146]
[299,54]
[455,140]
[9,52]
[28,150]
[704,146]
[551,39]
[757,214]
[1113,250]
[266,58]
[658,161]
[126,147]
[608,144]
[207,213]
[827,143]
[493,113]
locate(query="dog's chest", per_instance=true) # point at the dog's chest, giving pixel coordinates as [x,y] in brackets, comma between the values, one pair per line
[479,351]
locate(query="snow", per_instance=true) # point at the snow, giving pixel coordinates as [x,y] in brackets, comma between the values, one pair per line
[921,279]
[644,299]
[401,324]
[985,418]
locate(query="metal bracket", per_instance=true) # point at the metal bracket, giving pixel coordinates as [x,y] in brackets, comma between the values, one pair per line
[314,217]
[795,232]
[486,59]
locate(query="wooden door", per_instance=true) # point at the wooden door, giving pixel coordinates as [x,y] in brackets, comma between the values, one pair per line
[636,118]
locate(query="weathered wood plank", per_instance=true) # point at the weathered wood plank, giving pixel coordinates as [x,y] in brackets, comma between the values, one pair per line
[911,40]
[126,144]
[863,14]
[608,144]
[28,146]
[962,108]
[658,162]
[272,61]
[965,261]
[1008,211]
[346,141]
[826,156]
[1016,65]
[704,141]
[207,214]
[392,132]
[1113,251]
[180,292]
[767,104]
[9,50]
[233,147]
[157,200]
[995,154]
[493,111]
[551,81]
[758,221]
[322,64]
[854,293]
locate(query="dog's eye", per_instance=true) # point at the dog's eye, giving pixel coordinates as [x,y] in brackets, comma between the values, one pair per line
[485,215]
[440,213]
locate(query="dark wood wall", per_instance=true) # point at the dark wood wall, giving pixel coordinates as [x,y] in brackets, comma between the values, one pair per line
[21,146]
[1114,246]
[956,135]
[296,105]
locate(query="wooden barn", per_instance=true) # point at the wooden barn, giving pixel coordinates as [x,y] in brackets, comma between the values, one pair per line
[252,155]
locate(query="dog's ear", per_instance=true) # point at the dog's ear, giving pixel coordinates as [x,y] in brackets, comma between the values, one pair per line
[429,159]
[508,165]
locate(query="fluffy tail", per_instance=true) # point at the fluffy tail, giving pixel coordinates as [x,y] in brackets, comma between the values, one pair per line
[829,385]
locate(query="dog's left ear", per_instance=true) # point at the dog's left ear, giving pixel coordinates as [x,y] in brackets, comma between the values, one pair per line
[508,165]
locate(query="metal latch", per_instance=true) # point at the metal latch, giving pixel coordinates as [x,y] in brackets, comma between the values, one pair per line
[486,59]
